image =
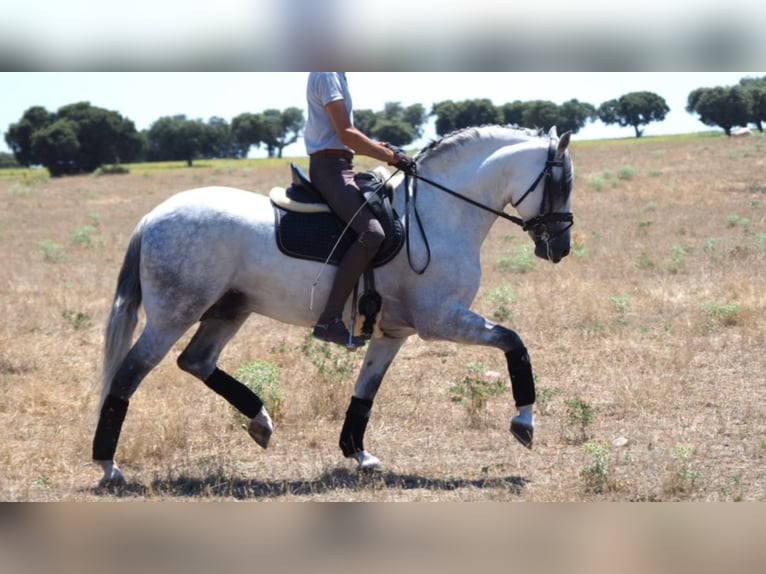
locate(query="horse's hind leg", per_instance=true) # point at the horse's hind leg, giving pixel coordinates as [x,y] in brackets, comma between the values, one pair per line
[200,359]
[146,353]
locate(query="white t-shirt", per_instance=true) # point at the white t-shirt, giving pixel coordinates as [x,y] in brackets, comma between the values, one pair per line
[324,88]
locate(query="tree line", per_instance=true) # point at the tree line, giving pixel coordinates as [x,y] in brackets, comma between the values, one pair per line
[80,137]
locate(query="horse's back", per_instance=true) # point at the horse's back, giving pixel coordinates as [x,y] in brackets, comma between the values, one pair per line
[211,201]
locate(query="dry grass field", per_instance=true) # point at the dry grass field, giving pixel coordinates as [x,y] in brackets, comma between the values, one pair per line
[648,342]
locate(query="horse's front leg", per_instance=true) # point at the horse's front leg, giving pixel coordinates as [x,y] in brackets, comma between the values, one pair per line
[380,354]
[464,326]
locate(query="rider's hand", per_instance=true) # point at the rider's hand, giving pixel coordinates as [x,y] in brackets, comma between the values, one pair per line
[401,160]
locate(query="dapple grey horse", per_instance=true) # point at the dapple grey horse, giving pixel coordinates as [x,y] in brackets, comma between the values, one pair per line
[208,256]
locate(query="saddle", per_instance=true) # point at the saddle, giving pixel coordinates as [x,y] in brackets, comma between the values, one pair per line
[306,228]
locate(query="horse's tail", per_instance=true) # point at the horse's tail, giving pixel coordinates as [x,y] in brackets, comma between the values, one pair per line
[123,317]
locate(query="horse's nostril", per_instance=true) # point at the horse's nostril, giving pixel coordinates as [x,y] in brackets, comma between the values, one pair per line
[565,253]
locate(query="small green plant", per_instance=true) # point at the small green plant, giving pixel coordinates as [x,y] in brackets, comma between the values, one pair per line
[737,221]
[43,481]
[626,172]
[645,261]
[682,476]
[544,398]
[579,246]
[52,252]
[596,475]
[335,367]
[262,377]
[474,390]
[501,298]
[710,247]
[620,305]
[721,314]
[84,235]
[522,260]
[596,182]
[677,258]
[77,319]
[580,415]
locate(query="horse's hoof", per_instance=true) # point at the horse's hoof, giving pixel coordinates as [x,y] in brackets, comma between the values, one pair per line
[112,474]
[260,428]
[522,432]
[365,461]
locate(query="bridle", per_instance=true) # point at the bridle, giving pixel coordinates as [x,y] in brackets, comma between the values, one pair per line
[538,225]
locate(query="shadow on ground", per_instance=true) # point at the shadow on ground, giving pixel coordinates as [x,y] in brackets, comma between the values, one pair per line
[218,485]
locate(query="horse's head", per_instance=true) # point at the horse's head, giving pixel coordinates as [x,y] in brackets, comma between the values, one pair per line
[550,225]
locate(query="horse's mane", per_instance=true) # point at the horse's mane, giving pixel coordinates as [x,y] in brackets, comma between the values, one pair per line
[461,136]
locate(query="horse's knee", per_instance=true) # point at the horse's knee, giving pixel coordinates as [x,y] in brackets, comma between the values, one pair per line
[200,367]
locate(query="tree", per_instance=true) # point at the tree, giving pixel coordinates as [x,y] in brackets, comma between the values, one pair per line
[540,114]
[453,116]
[573,115]
[634,109]
[19,135]
[722,107]
[8,160]
[248,130]
[174,138]
[57,147]
[223,142]
[104,136]
[88,136]
[757,89]
[512,113]
[395,124]
[281,129]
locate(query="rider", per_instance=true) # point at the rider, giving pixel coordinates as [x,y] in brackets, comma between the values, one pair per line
[331,141]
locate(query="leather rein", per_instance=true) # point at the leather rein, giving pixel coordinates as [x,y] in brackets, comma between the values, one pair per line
[537,225]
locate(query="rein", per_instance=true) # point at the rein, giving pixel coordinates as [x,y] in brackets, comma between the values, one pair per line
[537,225]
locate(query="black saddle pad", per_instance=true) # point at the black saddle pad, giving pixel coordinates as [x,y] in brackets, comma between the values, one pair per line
[313,236]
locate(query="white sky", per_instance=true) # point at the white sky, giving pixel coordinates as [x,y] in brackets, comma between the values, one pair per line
[144,97]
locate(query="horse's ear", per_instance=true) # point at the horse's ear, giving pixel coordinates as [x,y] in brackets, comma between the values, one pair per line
[563,143]
[553,133]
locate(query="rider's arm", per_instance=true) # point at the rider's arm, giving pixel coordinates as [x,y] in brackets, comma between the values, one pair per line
[355,139]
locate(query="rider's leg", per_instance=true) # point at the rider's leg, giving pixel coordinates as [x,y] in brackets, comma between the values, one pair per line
[334,177]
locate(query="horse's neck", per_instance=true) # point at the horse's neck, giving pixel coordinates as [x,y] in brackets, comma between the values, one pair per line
[485,173]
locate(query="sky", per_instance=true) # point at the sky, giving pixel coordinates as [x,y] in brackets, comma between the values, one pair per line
[144,97]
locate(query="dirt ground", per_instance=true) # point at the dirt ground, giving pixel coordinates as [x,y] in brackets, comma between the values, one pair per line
[647,344]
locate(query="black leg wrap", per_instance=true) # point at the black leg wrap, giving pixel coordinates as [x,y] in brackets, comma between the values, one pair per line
[109,426]
[522,379]
[352,433]
[240,397]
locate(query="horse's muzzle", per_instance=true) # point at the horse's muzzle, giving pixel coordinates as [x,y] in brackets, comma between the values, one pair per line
[553,249]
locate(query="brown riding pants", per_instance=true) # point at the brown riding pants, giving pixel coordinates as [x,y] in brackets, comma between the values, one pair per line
[333,176]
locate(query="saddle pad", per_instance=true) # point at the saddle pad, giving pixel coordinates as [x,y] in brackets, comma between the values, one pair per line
[313,236]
